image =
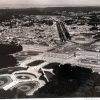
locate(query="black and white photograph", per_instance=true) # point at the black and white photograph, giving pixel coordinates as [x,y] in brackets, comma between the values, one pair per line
[49,49]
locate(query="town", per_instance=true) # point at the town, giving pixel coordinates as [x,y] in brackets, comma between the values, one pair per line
[58,50]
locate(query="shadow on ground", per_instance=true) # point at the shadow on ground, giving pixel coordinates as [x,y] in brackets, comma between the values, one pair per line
[7,61]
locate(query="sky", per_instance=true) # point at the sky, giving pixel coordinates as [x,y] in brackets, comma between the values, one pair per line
[27,3]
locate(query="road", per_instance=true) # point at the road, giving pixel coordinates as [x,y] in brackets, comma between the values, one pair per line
[63,32]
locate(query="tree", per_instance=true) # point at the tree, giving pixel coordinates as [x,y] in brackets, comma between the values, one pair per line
[94,20]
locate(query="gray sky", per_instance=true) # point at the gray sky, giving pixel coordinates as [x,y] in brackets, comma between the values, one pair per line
[15,3]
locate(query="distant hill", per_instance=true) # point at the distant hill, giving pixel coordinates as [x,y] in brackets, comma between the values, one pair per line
[6,14]
[48,10]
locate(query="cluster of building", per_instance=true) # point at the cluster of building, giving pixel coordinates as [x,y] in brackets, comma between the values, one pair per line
[31,30]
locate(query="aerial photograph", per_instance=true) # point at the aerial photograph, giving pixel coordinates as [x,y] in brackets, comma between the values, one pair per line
[49,49]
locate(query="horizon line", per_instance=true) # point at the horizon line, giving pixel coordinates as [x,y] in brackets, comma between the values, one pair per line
[43,6]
